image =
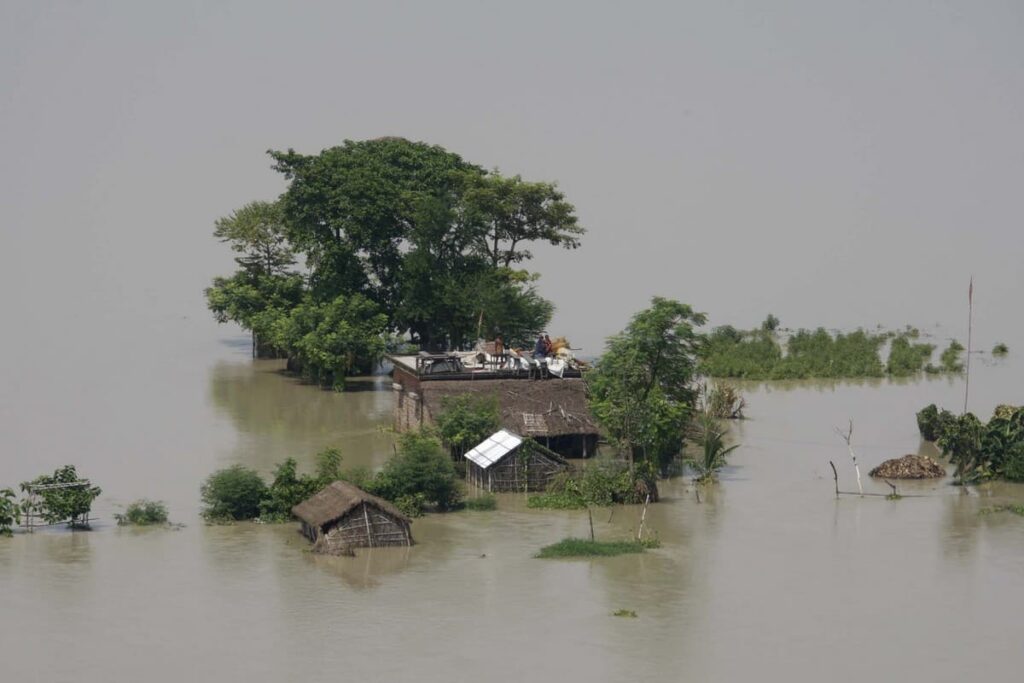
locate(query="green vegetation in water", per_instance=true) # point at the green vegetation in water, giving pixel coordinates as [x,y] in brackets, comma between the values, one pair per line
[418,476]
[402,241]
[932,422]
[581,547]
[483,502]
[709,438]
[143,512]
[631,614]
[643,389]
[10,513]
[466,420]
[950,358]
[233,493]
[1000,349]
[759,354]
[979,450]
[60,504]
[602,482]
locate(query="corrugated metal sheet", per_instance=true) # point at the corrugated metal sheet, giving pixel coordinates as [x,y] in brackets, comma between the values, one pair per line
[494,448]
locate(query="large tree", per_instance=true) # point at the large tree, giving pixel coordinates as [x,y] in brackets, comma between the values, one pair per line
[642,390]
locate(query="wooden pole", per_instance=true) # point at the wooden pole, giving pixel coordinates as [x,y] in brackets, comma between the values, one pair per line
[970,327]
[590,516]
[835,475]
[643,518]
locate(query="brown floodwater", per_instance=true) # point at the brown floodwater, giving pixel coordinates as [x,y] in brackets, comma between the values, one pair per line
[768,577]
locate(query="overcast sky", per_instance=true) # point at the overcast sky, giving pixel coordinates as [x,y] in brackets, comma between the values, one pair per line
[833,163]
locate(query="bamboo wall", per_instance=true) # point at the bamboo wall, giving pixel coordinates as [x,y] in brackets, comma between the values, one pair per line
[365,526]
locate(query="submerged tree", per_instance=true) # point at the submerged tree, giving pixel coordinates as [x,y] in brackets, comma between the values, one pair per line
[466,420]
[642,390]
[60,497]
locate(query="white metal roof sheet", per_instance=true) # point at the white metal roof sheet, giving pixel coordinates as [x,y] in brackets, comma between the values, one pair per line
[494,448]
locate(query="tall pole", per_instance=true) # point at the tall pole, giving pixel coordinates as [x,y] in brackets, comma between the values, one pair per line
[970,326]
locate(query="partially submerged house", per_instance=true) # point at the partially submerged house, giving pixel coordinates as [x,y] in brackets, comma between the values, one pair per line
[553,410]
[506,462]
[343,516]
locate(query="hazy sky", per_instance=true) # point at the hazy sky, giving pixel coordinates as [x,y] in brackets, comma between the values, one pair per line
[833,163]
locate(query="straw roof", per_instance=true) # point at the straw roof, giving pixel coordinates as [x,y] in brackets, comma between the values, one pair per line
[549,407]
[336,500]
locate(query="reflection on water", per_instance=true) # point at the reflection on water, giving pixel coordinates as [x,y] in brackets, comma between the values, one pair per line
[767,575]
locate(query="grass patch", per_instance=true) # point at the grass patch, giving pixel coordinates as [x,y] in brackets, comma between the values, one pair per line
[625,613]
[485,502]
[581,547]
[143,513]
[1000,349]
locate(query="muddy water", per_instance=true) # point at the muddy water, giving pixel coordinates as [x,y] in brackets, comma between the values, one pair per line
[769,577]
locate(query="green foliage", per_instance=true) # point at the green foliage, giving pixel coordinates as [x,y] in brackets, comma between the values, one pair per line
[642,389]
[10,513]
[333,339]
[420,468]
[979,450]
[602,482]
[482,502]
[62,504]
[907,358]
[932,423]
[625,613]
[950,358]
[143,512]
[709,437]
[580,547]
[757,355]
[770,324]
[1013,508]
[287,490]
[466,420]
[232,493]
[1000,349]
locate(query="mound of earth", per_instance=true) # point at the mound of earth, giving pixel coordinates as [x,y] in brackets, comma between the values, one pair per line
[909,467]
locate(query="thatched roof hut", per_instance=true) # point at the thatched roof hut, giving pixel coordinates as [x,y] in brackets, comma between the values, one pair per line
[506,462]
[554,412]
[343,516]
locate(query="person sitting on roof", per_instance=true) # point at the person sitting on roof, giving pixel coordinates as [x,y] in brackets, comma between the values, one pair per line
[540,349]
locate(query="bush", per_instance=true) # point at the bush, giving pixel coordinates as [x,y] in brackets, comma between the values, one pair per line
[233,493]
[466,420]
[950,358]
[288,489]
[420,467]
[601,483]
[483,502]
[143,513]
[906,358]
[932,423]
[1013,463]
[9,512]
[1000,349]
[725,402]
[709,437]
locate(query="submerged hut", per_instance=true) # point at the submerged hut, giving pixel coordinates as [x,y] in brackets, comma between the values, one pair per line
[343,516]
[506,462]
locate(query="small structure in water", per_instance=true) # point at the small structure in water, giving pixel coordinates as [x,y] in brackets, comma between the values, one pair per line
[343,516]
[506,462]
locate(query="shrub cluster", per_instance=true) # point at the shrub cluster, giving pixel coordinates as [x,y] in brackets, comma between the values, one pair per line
[143,513]
[418,476]
[601,483]
[10,513]
[581,547]
[979,450]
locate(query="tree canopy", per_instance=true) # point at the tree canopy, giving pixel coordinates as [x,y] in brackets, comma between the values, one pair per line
[642,389]
[409,238]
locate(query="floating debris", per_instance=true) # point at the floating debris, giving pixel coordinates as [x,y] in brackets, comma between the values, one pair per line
[909,467]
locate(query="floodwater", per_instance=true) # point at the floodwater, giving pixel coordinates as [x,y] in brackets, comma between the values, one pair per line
[768,577]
